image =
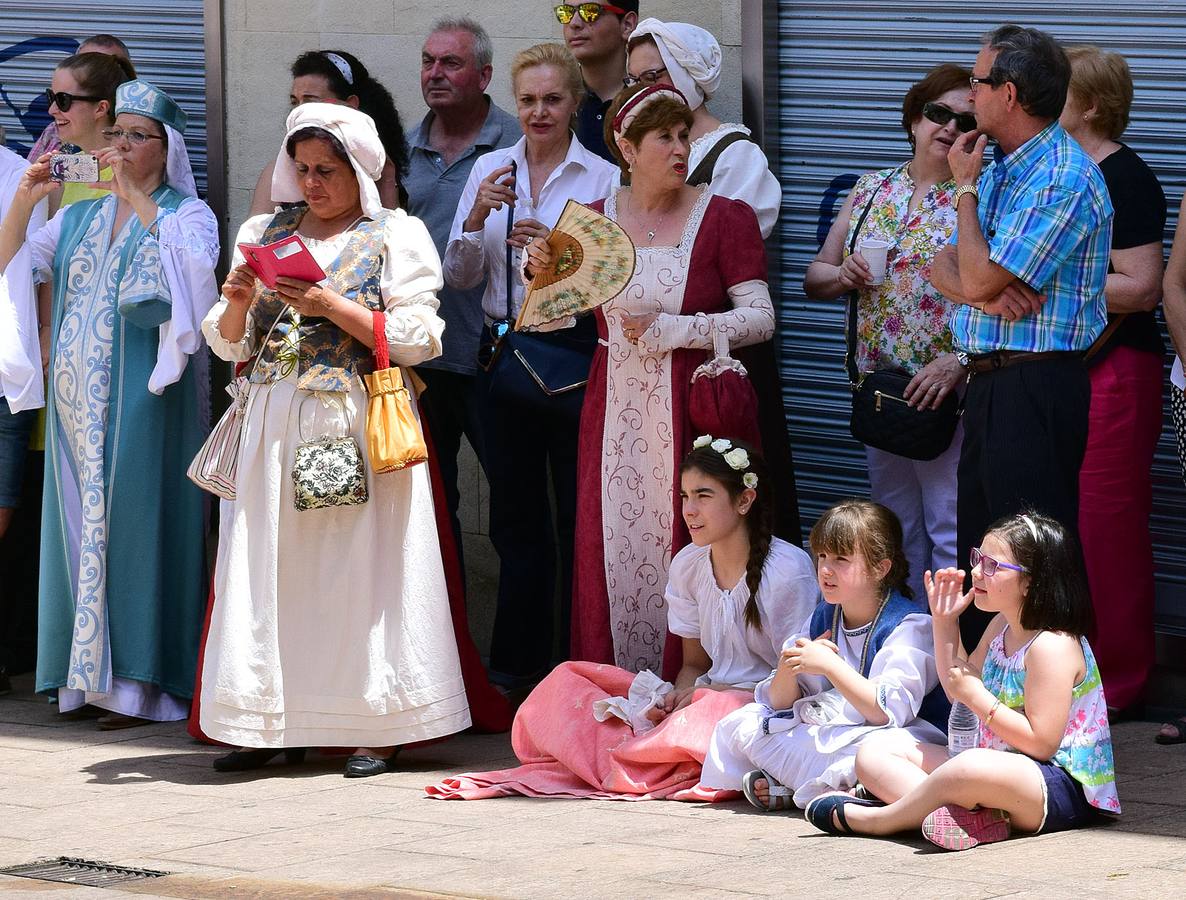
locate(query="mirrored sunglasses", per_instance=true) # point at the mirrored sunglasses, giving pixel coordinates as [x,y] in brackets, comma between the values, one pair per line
[589,12]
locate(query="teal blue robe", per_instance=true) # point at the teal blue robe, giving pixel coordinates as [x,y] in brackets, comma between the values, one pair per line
[123,567]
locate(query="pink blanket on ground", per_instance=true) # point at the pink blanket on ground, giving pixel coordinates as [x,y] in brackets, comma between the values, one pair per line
[567,753]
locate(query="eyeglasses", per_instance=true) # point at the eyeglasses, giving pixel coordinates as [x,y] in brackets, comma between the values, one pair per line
[941,115]
[64,101]
[989,566]
[589,12]
[135,138]
[650,76]
[987,79]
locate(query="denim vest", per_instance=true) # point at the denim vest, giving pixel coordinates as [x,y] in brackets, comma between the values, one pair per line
[324,357]
[935,706]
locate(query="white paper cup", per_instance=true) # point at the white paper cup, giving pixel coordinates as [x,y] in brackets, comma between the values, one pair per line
[874,252]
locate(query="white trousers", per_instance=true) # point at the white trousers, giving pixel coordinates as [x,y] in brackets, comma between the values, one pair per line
[923,497]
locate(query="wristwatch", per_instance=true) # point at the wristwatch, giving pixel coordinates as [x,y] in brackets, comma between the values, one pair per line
[961,191]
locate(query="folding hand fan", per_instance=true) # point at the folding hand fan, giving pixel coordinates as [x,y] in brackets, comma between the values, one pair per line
[592,262]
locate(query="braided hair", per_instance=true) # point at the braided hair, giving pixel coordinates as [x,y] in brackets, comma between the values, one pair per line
[373,99]
[759,519]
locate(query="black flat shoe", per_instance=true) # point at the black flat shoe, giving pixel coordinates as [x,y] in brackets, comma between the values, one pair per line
[245,760]
[366,766]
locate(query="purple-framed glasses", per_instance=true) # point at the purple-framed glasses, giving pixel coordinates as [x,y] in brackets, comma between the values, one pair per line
[989,566]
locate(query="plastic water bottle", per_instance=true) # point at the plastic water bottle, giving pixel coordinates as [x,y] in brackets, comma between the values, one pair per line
[963,727]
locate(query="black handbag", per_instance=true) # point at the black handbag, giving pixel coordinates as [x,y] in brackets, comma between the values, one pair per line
[881,417]
[528,368]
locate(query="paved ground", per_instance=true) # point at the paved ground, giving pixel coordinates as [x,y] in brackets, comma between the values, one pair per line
[148,797]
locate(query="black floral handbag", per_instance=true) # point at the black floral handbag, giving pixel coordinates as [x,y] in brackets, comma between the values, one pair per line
[327,471]
[881,417]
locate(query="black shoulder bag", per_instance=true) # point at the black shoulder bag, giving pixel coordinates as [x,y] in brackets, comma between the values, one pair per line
[881,417]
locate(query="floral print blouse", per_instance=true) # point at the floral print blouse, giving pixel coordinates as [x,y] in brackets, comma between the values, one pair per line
[903,322]
[1086,748]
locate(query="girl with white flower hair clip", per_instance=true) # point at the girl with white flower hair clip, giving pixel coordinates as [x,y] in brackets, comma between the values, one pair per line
[734,595]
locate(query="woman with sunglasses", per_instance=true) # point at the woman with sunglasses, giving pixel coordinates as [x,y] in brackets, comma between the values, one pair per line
[902,322]
[81,101]
[123,563]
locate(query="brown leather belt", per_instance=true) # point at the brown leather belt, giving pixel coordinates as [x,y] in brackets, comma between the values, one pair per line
[1002,359]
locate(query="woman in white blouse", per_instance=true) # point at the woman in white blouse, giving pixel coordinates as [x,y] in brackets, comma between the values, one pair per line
[533,180]
[330,627]
[734,595]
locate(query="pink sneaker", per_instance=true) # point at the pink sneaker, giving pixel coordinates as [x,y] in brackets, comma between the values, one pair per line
[955,828]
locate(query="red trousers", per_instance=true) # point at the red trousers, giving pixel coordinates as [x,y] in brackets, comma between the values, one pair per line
[1115,501]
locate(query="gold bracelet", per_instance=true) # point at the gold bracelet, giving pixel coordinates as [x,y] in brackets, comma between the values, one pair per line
[992,712]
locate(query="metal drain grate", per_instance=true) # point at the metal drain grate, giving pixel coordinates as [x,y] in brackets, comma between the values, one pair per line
[69,870]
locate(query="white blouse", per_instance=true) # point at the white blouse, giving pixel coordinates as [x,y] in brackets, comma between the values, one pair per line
[697,607]
[474,255]
[903,671]
[409,281]
[741,173]
[187,239]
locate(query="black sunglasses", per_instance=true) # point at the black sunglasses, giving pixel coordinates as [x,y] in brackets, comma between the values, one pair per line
[64,101]
[941,115]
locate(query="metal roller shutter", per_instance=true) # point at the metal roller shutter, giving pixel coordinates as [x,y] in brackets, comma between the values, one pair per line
[165,41]
[843,67]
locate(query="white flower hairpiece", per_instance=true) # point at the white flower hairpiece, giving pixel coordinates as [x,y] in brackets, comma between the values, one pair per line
[736,457]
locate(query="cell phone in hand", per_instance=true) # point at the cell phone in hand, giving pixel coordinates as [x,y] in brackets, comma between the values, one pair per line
[80,167]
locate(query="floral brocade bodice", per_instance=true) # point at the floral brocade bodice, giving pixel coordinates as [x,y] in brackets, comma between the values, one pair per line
[903,322]
[322,355]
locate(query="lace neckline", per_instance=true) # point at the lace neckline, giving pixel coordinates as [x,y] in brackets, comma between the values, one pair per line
[691,226]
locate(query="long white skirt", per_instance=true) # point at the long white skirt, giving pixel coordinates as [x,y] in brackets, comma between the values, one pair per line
[331,627]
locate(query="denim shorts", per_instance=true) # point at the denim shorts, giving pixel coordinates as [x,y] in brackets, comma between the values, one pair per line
[1066,806]
[15,429]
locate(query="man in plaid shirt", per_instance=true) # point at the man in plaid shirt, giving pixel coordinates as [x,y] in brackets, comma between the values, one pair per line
[1027,266]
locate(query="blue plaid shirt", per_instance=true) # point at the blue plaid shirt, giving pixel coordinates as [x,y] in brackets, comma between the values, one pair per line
[1046,216]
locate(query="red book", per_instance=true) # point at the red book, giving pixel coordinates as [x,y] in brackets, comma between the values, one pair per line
[288,257]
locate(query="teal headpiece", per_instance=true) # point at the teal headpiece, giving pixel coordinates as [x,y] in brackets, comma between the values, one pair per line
[145,99]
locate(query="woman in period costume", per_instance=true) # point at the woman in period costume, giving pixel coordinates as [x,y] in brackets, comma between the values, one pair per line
[700,267]
[723,156]
[122,556]
[330,627]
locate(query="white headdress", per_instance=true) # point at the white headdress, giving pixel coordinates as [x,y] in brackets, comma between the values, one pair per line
[691,55]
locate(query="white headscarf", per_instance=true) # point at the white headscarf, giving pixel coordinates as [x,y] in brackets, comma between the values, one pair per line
[691,55]
[356,132]
[179,174]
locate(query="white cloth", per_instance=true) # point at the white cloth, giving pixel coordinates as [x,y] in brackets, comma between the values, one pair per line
[741,173]
[697,607]
[691,54]
[20,352]
[187,240]
[472,256]
[357,133]
[178,172]
[647,690]
[813,759]
[332,627]
[1177,377]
